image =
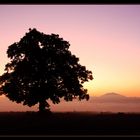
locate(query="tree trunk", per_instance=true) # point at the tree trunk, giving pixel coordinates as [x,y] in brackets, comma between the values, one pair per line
[42,106]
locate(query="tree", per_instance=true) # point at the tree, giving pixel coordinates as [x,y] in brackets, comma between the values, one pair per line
[43,68]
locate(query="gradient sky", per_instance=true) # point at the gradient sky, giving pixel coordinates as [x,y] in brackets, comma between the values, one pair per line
[106,38]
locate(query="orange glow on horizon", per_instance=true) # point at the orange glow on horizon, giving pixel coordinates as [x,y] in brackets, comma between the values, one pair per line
[105,38]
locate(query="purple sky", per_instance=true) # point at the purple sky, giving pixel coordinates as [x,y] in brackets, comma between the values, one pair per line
[106,38]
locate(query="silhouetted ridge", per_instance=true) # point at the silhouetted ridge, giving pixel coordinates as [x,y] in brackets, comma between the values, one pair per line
[112,94]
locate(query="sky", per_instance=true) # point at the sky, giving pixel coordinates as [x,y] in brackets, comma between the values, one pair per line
[106,38]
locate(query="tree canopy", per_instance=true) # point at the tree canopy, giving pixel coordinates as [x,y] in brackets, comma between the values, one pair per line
[41,67]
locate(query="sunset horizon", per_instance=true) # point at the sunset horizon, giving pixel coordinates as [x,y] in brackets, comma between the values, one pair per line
[105,38]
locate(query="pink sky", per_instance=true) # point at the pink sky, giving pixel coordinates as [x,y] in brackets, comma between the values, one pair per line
[106,38]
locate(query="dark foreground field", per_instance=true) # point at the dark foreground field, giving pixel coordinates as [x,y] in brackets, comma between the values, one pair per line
[32,123]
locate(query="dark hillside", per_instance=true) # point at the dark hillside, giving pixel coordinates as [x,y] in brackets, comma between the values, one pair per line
[32,123]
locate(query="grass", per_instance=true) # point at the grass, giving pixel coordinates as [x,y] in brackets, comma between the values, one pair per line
[70,123]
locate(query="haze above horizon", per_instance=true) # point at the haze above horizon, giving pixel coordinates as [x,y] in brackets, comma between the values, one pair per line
[104,37]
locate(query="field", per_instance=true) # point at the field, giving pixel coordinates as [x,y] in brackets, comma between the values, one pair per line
[70,123]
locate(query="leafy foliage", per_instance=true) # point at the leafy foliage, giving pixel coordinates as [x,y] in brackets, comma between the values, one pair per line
[43,68]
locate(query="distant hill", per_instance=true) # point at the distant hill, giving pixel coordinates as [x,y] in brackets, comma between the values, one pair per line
[115,98]
[109,102]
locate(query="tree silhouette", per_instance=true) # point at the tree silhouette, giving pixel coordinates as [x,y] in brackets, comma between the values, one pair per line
[43,68]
